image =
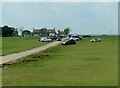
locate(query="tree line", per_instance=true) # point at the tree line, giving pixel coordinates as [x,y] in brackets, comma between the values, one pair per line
[10,31]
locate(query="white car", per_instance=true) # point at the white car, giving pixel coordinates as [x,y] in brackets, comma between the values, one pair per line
[45,39]
[75,38]
[95,40]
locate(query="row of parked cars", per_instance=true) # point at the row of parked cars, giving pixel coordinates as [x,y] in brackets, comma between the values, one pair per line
[47,39]
[71,41]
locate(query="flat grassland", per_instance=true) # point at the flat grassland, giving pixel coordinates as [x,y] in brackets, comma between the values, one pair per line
[83,64]
[18,44]
[0,45]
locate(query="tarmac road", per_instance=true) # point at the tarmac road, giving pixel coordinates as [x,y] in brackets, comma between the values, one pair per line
[12,57]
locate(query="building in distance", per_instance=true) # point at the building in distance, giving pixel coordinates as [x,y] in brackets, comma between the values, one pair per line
[44,31]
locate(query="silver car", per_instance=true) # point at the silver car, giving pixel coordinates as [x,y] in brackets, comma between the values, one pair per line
[95,40]
[45,39]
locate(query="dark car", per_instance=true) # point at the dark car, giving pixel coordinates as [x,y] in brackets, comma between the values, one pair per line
[54,37]
[69,42]
[59,39]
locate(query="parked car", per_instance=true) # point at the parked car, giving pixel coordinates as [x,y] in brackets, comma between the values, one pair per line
[96,40]
[54,37]
[69,42]
[74,38]
[45,39]
[62,35]
[59,39]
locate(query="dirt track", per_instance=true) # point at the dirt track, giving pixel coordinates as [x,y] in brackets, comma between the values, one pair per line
[12,57]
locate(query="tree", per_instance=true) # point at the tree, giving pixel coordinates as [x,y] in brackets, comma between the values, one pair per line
[62,32]
[59,32]
[7,31]
[66,30]
[26,33]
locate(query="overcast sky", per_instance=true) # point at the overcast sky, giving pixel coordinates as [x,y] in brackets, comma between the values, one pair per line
[80,17]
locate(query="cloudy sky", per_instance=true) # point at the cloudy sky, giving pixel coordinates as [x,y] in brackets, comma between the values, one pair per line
[80,17]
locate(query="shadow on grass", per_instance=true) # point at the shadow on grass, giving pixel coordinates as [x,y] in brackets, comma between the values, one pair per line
[31,58]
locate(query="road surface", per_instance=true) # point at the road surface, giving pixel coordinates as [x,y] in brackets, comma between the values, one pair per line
[12,57]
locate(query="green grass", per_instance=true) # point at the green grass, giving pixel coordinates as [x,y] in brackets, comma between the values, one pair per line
[18,44]
[0,45]
[83,64]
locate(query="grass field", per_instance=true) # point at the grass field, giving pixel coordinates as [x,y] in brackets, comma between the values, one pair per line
[0,45]
[83,64]
[18,44]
